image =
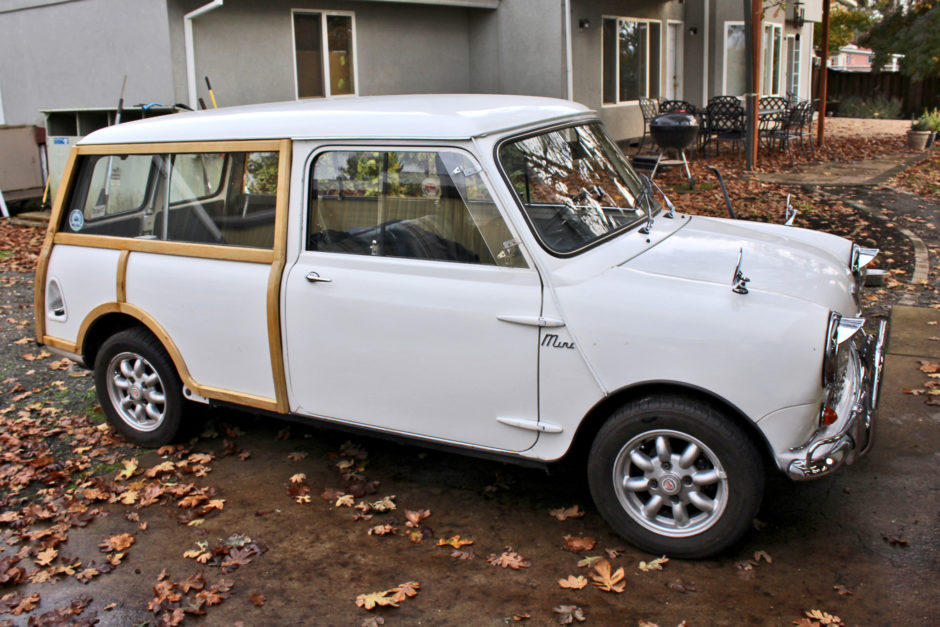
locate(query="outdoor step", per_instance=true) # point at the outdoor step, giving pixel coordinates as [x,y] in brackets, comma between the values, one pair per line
[31,218]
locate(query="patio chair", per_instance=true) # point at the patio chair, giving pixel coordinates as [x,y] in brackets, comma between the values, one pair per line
[800,129]
[725,122]
[677,106]
[650,109]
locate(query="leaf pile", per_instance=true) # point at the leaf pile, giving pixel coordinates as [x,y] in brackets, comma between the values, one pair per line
[19,247]
[931,387]
[236,550]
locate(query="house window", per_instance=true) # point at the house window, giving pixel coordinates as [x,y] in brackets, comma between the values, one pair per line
[324,54]
[771,60]
[793,64]
[735,59]
[631,59]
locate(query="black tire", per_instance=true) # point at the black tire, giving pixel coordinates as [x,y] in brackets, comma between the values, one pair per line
[687,507]
[144,400]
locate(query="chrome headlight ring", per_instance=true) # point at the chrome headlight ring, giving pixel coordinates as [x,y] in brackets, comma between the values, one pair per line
[838,333]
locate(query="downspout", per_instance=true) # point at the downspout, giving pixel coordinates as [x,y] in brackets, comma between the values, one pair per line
[706,39]
[569,63]
[190,50]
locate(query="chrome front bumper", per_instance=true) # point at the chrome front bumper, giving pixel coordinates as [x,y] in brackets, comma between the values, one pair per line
[826,452]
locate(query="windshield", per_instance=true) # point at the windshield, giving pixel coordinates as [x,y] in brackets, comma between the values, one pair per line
[575,186]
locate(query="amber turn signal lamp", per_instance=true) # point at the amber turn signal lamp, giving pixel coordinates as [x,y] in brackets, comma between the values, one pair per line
[829,416]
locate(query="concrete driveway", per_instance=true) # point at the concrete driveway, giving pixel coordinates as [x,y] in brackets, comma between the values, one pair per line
[861,545]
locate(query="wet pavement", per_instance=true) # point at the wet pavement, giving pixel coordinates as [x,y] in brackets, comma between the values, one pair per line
[861,544]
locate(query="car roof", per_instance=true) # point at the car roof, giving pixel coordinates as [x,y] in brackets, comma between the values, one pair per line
[430,116]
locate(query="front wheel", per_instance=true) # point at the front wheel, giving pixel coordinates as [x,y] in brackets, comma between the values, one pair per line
[673,476]
[138,388]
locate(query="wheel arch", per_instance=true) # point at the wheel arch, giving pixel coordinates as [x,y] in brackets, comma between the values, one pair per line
[600,412]
[106,320]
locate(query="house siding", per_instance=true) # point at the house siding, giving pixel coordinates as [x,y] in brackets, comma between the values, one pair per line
[75,55]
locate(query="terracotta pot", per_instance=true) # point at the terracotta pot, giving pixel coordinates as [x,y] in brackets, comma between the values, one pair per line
[917,140]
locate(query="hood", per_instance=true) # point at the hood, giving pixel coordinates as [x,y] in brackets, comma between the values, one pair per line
[799,263]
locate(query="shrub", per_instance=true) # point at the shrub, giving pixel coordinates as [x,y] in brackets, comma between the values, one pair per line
[877,107]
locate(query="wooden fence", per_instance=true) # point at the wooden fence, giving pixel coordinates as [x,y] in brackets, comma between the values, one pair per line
[915,96]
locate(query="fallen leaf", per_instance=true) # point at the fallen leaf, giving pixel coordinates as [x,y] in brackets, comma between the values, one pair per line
[578,543]
[762,555]
[44,558]
[298,478]
[414,517]
[130,467]
[824,618]
[565,513]
[521,616]
[509,559]
[345,500]
[296,456]
[568,614]
[572,582]
[257,599]
[842,590]
[656,564]
[120,542]
[381,530]
[588,561]
[463,554]
[681,586]
[455,541]
[606,580]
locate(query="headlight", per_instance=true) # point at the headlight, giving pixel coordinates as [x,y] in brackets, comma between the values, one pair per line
[838,334]
[838,356]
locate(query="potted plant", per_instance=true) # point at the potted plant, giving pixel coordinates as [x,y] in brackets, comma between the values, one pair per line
[933,123]
[920,132]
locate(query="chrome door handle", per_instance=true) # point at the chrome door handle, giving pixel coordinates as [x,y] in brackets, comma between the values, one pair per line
[313,277]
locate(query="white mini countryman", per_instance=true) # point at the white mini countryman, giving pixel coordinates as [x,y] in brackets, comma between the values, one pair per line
[481,272]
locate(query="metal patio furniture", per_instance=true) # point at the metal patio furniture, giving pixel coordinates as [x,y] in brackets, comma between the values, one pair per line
[725,122]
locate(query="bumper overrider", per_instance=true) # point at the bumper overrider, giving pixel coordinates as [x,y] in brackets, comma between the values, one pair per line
[851,435]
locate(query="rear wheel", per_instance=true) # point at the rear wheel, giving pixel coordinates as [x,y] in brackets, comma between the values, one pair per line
[138,388]
[673,476]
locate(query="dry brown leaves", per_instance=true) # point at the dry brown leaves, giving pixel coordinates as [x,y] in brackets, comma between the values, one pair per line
[19,247]
[607,579]
[578,543]
[509,559]
[172,600]
[923,179]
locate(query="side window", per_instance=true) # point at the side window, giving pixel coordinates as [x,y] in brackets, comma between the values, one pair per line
[417,205]
[208,198]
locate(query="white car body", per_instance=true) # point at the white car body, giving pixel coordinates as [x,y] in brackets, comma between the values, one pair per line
[505,360]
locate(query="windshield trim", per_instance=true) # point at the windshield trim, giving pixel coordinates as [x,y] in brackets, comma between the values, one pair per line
[518,201]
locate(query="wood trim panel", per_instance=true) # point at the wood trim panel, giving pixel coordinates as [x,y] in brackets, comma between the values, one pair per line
[274,279]
[42,264]
[62,345]
[230,396]
[246,145]
[160,247]
[121,290]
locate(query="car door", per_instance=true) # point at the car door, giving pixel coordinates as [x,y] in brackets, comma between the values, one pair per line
[396,309]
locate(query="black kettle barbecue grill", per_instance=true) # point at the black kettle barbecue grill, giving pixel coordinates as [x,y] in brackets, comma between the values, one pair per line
[674,131]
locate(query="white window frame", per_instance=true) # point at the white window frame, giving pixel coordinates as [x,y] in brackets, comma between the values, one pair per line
[767,46]
[620,18]
[324,50]
[724,55]
[795,47]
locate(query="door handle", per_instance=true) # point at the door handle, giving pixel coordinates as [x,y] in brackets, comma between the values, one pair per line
[313,277]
